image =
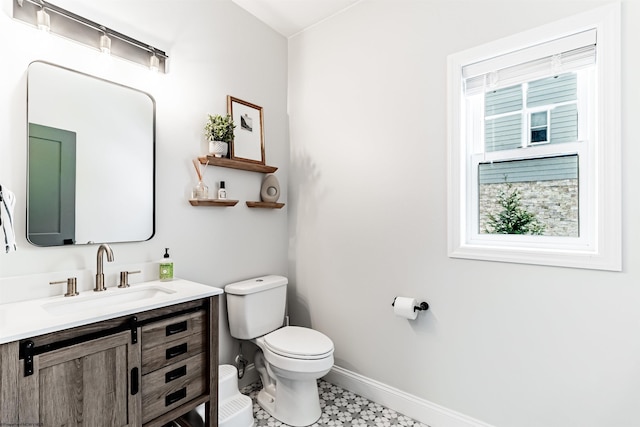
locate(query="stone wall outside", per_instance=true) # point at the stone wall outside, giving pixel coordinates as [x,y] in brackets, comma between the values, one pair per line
[554,203]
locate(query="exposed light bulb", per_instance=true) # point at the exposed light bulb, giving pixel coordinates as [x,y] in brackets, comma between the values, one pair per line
[44,20]
[105,44]
[154,63]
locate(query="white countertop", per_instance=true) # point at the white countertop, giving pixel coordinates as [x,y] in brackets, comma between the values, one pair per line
[34,317]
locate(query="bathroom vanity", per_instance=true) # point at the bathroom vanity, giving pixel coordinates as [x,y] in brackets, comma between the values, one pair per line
[144,362]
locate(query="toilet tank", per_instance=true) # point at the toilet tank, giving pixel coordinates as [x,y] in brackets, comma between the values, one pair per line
[256,307]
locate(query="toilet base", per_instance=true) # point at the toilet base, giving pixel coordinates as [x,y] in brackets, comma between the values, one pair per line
[295,403]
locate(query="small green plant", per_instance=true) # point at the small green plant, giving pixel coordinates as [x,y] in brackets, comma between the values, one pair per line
[513,218]
[219,128]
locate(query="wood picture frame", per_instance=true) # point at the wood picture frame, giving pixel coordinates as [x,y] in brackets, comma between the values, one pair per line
[248,141]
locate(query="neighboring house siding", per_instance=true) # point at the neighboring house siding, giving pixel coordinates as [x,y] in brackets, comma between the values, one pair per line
[503,101]
[552,90]
[506,119]
[547,169]
[564,124]
[504,133]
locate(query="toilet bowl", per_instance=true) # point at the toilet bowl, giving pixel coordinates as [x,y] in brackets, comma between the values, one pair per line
[290,359]
[296,348]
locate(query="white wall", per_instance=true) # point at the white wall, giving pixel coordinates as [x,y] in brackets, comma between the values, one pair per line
[216,49]
[511,345]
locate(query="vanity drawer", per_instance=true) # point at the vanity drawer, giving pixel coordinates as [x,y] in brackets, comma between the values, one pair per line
[173,386]
[170,352]
[174,328]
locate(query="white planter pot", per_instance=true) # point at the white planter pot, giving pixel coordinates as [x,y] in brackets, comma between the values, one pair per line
[218,148]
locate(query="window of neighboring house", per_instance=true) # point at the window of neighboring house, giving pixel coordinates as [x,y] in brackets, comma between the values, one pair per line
[534,146]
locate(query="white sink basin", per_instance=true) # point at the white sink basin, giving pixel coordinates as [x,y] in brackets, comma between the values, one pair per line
[30,318]
[110,297]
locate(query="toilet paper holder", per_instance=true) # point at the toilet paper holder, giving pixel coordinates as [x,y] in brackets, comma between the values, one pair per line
[422,307]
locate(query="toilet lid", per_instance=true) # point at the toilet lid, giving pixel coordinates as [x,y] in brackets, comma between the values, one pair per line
[299,343]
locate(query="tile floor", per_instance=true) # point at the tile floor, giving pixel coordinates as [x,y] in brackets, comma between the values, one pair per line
[340,408]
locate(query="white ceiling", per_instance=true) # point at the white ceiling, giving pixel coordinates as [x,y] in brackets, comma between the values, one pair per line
[289,17]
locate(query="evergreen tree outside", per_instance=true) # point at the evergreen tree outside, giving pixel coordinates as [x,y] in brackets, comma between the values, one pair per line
[513,218]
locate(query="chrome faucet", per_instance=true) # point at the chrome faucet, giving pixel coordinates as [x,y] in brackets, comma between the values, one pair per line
[103,248]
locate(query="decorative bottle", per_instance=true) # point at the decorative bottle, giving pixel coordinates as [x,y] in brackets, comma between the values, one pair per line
[200,191]
[222,192]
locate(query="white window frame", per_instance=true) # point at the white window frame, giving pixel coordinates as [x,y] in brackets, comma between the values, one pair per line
[599,244]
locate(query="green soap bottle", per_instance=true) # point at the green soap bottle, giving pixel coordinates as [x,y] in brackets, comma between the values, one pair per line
[166,267]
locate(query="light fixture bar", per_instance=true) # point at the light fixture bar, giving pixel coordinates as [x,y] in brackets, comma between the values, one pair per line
[88,32]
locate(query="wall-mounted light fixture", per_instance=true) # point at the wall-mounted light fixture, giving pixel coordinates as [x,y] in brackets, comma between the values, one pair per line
[49,17]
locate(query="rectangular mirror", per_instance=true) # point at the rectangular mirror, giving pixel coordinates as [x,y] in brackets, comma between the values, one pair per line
[91,159]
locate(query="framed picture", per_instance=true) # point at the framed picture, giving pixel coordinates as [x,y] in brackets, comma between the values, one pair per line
[248,141]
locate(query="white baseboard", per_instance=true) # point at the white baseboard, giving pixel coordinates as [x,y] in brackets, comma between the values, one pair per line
[421,410]
[424,411]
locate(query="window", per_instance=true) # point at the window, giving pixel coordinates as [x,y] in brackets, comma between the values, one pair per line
[518,121]
[534,137]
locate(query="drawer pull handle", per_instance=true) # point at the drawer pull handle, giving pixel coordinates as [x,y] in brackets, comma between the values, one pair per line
[176,328]
[135,384]
[175,396]
[176,351]
[175,374]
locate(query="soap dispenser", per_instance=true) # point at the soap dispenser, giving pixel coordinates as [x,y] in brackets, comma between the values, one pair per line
[166,267]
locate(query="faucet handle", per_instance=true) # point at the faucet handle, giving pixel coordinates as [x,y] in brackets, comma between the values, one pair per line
[124,278]
[72,289]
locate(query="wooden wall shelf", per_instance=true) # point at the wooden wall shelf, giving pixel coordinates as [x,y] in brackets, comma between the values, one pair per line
[265,205]
[236,164]
[212,202]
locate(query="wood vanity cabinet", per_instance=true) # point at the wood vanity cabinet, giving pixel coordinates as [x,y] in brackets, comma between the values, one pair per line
[145,369]
[173,363]
[86,383]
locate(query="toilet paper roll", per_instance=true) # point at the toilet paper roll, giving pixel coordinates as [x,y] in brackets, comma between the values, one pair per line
[403,307]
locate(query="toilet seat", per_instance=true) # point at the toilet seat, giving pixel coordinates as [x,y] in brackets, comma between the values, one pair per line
[299,343]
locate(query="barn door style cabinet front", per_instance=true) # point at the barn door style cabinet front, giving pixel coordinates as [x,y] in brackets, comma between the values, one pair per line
[104,374]
[89,384]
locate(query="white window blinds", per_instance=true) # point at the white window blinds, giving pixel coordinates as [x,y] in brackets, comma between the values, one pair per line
[560,55]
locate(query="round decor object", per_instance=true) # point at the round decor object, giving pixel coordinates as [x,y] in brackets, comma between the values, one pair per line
[270,191]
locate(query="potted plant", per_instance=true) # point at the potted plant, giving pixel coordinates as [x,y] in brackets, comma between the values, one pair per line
[219,132]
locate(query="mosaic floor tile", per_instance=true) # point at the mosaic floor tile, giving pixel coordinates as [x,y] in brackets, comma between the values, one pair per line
[340,408]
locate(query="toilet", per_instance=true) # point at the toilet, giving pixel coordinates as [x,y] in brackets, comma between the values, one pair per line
[289,359]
